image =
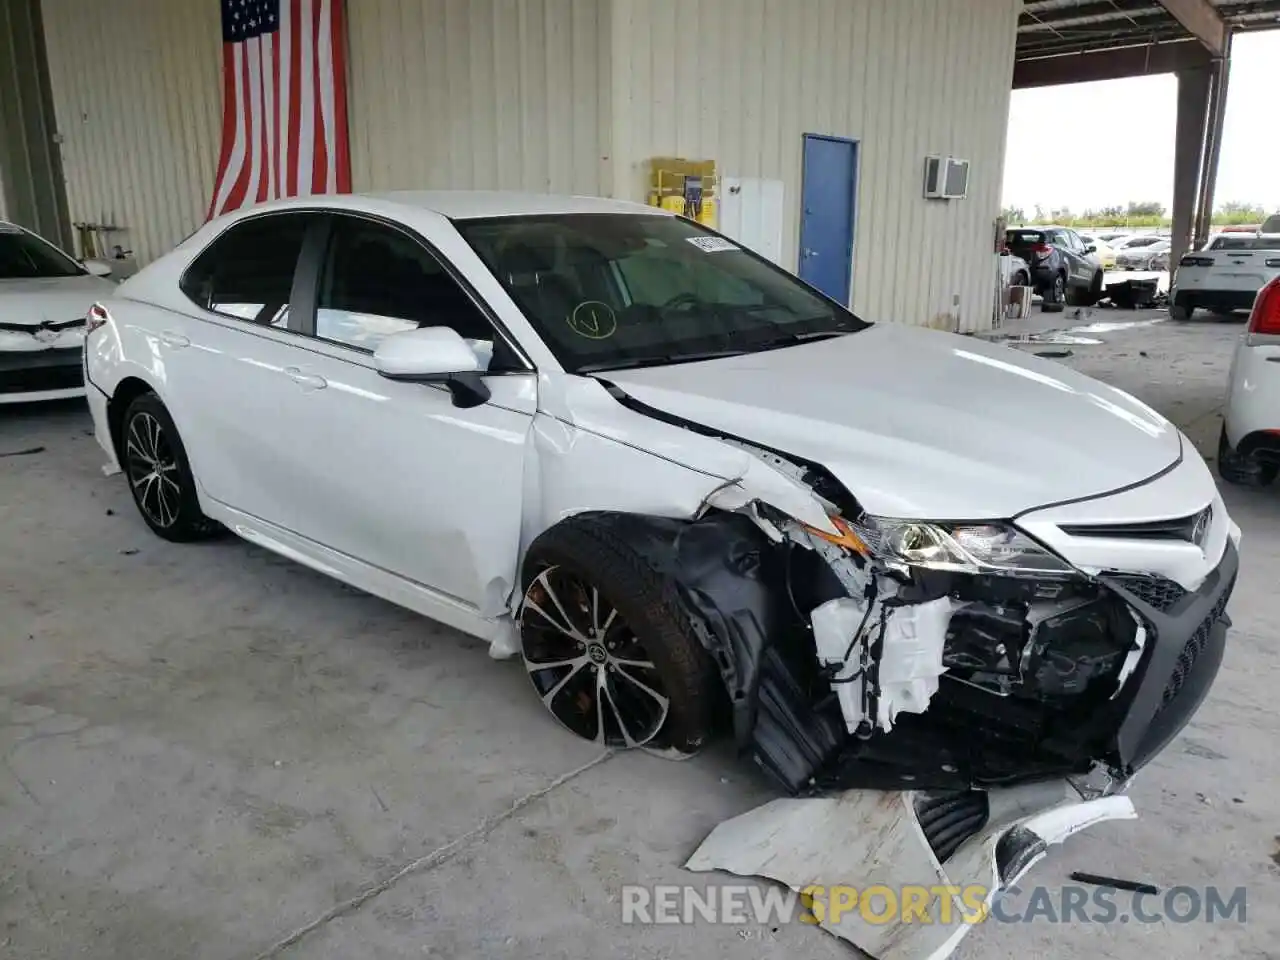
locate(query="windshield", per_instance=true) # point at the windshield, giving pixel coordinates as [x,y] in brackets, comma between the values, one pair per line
[609,291]
[24,256]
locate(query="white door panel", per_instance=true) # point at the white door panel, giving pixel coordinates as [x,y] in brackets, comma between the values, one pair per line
[230,391]
[400,478]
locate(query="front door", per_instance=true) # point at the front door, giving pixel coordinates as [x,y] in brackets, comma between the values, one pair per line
[826,214]
[400,477]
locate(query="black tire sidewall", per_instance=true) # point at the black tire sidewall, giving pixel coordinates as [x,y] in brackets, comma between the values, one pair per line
[650,605]
[191,523]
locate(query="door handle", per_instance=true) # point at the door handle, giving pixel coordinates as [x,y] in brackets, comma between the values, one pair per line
[308,381]
[169,338]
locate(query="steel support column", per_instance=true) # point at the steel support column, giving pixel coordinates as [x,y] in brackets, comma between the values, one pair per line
[1213,145]
[1194,90]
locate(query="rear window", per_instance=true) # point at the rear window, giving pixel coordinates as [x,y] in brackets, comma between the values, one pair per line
[1142,242]
[1271,224]
[1245,243]
[1023,238]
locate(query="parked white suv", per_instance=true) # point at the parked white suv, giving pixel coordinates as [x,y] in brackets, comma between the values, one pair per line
[1225,275]
[689,490]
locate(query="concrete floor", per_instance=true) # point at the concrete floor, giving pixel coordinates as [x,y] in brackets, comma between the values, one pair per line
[206,749]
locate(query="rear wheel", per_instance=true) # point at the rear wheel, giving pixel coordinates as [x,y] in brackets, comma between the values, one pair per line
[1055,298]
[1182,307]
[1245,471]
[155,464]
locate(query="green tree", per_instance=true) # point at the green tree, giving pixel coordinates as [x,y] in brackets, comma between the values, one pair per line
[1014,215]
[1146,208]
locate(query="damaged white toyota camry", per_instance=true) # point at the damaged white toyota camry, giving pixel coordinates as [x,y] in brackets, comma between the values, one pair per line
[932,586]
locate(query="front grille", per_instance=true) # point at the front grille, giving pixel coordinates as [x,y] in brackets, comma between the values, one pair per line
[1152,590]
[1195,646]
[949,819]
[1176,528]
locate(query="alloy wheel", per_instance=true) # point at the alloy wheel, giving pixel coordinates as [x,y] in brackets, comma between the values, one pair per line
[153,470]
[587,664]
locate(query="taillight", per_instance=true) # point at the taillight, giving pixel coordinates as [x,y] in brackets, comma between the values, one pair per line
[1042,249]
[1265,318]
[1190,260]
[95,318]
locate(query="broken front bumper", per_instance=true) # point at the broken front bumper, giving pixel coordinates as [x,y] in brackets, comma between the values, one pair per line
[1187,637]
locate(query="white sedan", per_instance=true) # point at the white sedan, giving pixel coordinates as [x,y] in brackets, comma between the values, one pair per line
[1249,446]
[689,490]
[44,295]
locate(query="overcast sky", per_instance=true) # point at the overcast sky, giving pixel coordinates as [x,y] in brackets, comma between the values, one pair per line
[1097,144]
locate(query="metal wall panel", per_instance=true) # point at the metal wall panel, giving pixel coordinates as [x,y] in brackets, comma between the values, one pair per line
[137,89]
[740,82]
[478,94]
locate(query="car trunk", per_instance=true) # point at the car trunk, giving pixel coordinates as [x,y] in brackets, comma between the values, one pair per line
[1027,244]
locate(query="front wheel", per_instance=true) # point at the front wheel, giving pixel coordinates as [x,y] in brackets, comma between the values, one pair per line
[608,646]
[159,474]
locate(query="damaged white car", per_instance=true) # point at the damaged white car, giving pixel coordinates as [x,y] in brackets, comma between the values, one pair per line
[694,495]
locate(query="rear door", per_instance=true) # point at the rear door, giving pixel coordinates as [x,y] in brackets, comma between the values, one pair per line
[229,365]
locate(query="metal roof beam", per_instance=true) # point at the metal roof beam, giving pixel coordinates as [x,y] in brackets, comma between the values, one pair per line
[1111,64]
[1202,20]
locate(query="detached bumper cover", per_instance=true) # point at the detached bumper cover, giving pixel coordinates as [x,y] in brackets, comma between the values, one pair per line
[860,841]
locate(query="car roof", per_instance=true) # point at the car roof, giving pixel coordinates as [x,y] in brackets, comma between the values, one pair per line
[475,204]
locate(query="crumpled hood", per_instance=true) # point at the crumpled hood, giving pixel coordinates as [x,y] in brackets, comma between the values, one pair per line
[917,423]
[57,299]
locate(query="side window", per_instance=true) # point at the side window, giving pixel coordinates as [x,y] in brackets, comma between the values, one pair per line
[1055,238]
[247,272]
[1073,241]
[377,281]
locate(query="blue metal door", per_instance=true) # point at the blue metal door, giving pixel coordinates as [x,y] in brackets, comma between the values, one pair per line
[826,214]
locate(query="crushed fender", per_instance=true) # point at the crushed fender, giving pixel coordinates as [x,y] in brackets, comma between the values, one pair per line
[886,840]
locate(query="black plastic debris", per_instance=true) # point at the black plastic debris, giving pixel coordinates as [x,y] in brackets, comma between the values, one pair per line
[1115,883]
[22,453]
[1133,294]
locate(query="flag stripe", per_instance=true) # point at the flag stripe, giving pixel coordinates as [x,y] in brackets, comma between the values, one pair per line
[284,115]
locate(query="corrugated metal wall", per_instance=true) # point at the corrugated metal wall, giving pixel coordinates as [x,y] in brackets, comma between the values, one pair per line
[740,82]
[479,94]
[137,93]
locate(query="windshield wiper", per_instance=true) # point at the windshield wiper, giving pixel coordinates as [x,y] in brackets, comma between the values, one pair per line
[658,360]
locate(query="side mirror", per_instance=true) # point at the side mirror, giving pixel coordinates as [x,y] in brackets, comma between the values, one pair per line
[97,268]
[1091,248]
[433,355]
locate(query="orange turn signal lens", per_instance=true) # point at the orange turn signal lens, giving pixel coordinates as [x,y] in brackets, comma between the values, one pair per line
[845,538]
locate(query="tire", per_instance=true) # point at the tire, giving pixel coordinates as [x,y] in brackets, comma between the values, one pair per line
[166,497]
[1182,308]
[1055,297]
[1243,471]
[648,611]
[1091,296]
[1020,279]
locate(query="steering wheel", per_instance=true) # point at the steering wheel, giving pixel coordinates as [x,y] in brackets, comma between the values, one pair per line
[681,301]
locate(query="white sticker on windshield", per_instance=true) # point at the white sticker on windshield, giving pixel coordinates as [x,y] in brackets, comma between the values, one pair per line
[712,244]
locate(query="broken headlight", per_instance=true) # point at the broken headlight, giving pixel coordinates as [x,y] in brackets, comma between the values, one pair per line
[959,547]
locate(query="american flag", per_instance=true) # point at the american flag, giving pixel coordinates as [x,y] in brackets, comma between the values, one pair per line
[284,103]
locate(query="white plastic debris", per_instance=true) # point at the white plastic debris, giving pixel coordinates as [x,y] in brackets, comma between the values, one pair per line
[852,842]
